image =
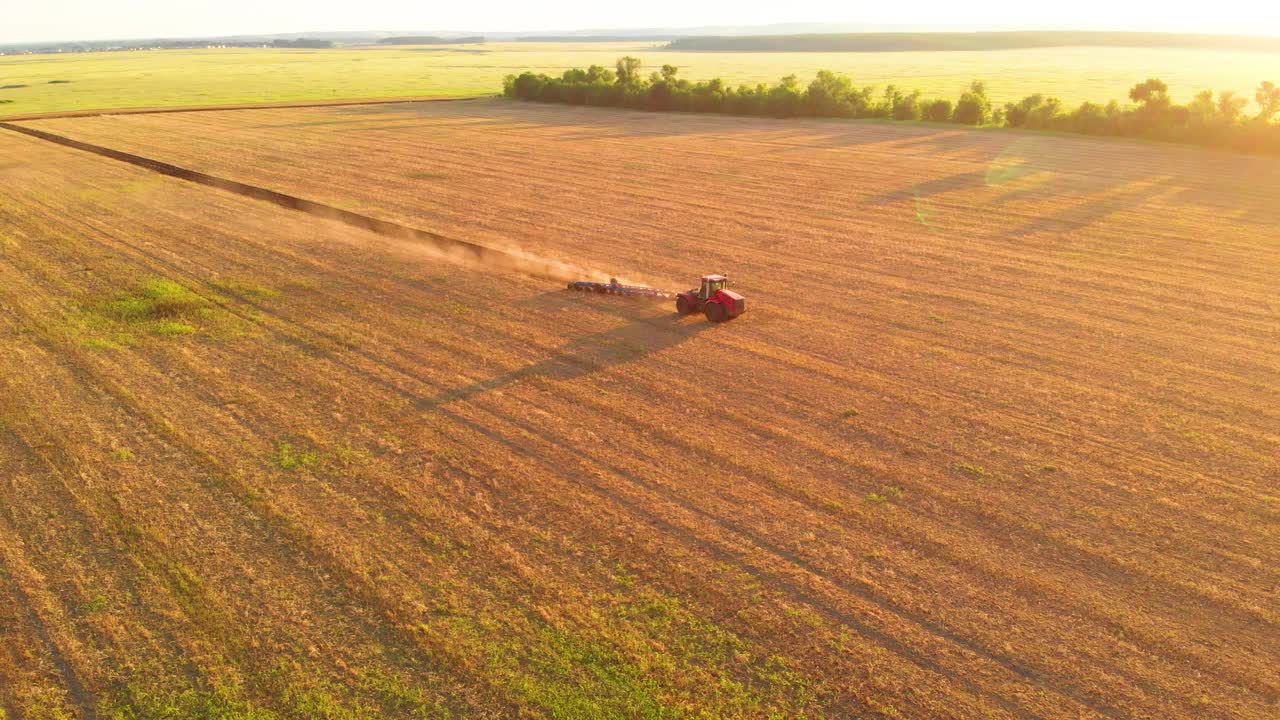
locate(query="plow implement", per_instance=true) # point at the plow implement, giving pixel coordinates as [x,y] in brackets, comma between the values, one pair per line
[614,288]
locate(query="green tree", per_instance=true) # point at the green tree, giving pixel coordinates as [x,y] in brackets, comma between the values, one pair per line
[1202,108]
[973,108]
[786,99]
[827,94]
[907,107]
[892,95]
[1230,107]
[1268,98]
[527,86]
[938,111]
[628,70]
[597,74]
[1152,93]
[1155,108]
[1089,119]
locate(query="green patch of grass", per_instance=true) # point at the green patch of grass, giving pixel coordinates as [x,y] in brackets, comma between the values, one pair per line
[426,176]
[46,704]
[319,704]
[581,678]
[289,458]
[244,289]
[157,308]
[348,455]
[404,699]
[157,300]
[189,704]
[169,328]
[643,654]
[937,318]
[1048,469]
[848,414]
[98,602]
[886,494]
[114,343]
[976,472]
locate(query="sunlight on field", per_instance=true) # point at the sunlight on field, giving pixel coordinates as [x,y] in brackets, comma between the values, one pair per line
[995,438]
[199,77]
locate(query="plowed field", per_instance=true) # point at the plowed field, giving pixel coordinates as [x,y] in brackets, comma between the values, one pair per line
[997,436]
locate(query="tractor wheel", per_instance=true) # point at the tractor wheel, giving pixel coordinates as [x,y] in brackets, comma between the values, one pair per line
[716,312]
[682,305]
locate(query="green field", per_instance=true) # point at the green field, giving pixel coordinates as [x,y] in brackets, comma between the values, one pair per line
[218,76]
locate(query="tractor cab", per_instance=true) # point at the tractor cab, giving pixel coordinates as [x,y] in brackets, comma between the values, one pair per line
[712,284]
[712,297]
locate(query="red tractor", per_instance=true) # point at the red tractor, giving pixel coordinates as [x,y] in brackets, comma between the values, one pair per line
[713,298]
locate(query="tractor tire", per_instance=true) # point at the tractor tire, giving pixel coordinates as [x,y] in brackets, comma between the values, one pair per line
[716,312]
[682,306]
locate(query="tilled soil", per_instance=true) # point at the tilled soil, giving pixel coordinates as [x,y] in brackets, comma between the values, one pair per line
[996,437]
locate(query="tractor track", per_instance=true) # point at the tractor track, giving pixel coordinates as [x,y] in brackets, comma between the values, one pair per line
[461,250]
[288,201]
[798,592]
[797,576]
[219,480]
[1026,672]
[76,693]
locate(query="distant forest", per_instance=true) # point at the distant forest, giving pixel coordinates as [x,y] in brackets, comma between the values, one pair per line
[1211,120]
[431,40]
[302,43]
[925,41]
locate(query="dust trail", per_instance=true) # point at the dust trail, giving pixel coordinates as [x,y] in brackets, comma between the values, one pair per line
[462,252]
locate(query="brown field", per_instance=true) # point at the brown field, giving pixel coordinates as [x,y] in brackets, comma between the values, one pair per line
[996,438]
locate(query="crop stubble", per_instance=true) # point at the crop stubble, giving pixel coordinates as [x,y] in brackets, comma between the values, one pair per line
[995,438]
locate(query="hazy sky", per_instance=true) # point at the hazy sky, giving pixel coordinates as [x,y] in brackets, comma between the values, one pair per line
[34,20]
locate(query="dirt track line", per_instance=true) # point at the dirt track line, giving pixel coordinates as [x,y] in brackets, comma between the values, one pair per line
[68,114]
[460,250]
[76,693]
[221,480]
[375,360]
[807,597]
[36,131]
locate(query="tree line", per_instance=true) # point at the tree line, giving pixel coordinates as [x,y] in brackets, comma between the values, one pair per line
[432,40]
[1217,120]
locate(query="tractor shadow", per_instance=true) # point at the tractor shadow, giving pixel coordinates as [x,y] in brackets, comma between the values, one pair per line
[1092,210]
[634,340]
[940,186]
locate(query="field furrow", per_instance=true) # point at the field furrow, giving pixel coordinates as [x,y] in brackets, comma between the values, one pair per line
[996,437]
